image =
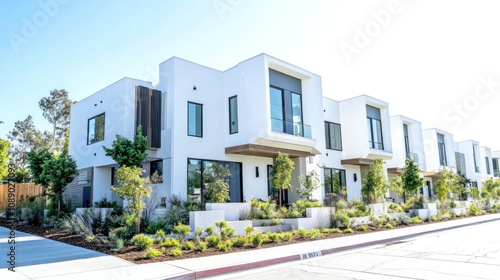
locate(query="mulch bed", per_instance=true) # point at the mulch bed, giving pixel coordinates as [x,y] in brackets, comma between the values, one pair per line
[130,253]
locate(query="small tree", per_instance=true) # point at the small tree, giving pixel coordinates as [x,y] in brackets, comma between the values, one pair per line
[126,152]
[448,182]
[132,188]
[59,172]
[396,185]
[375,184]
[4,157]
[410,178]
[36,160]
[308,184]
[216,178]
[281,174]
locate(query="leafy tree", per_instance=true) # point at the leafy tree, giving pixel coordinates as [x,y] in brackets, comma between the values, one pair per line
[126,152]
[21,175]
[59,172]
[56,109]
[4,157]
[216,176]
[309,183]
[132,188]
[396,185]
[24,138]
[410,178]
[281,174]
[375,184]
[448,182]
[65,148]
[36,161]
[491,189]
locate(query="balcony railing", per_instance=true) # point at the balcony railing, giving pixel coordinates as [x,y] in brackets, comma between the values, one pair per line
[412,156]
[293,128]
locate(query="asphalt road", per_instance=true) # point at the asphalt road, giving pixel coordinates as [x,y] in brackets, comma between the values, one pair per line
[466,253]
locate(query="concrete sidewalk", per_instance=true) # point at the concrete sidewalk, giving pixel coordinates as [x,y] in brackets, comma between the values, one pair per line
[39,258]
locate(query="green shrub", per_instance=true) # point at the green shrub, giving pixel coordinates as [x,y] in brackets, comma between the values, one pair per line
[274,237]
[389,226]
[142,241]
[160,235]
[202,247]
[395,208]
[188,245]
[227,232]
[340,218]
[332,230]
[275,222]
[155,226]
[171,243]
[249,230]
[257,239]
[152,253]
[210,230]
[213,240]
[286,236]
[348,230]
[182,230]
[314,233]
[361,228]
[226,246]
[416,220]
[239,241]
[302,232]
[176,252]
[474,210]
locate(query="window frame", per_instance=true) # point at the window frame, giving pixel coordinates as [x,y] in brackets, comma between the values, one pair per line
[371,140]
[231,131]
[331,171]
[443,161]
[328,134]
[95,125]
[201,119]
[151,163]
[488,170]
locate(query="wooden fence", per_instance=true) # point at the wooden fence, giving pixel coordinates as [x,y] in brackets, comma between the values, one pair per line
[22,192]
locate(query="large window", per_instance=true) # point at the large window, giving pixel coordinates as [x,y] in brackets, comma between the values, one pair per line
[407,139]
[195,119]
[233,114]
[374,124]
[476,167]
[286,104]
[156,171]
[334,181]
[487,165]
[333,136]
[495,167]
[441,149]
[148,114]
[200,173]
[95,129]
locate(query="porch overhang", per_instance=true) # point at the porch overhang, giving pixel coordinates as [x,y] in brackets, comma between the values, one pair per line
[268,151]
[357,161]
[396,170]
[433,174]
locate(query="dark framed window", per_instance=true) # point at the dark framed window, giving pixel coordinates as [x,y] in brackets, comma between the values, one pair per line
[95,129]
[374,125]
[334,180]
[487,165]
[148,114]
[476,167]
[441,149]
[496,172]
[333,136]
[195,119]
[407,138]
[233,114]
[156,167]
[200,173]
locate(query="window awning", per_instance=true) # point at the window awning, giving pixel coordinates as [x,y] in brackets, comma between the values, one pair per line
[268,151]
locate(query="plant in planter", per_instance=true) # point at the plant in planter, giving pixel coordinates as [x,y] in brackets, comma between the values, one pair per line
[281,174]
[375,184]
[308,184]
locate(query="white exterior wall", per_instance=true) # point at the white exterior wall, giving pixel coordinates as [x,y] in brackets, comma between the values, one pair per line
[353,117]
[431,149]
[398,142]
[117,102]
[466,148]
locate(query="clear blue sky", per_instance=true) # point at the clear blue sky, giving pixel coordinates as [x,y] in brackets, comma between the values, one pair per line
[425,58]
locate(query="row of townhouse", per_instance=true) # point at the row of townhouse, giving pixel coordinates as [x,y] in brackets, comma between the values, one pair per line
[242,117]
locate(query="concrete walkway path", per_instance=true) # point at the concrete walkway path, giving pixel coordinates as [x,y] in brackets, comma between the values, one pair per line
[40,258]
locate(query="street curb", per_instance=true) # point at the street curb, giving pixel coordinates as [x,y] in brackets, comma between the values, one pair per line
[295,257]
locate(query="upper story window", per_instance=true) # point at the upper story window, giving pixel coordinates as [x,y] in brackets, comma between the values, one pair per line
[286,105]
[407,138]
[476,167]
[487,165]
[495,167]
[441,149]
[233,114]
[95,129]
[195,119]
[374,124]
[333,136]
